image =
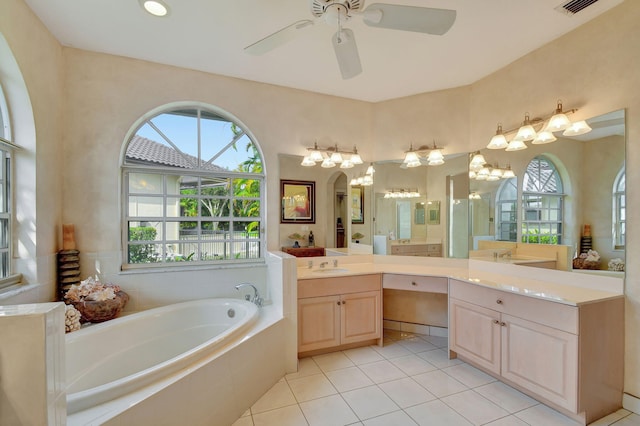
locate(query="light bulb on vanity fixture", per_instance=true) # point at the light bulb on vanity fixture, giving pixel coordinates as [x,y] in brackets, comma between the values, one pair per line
[330,157]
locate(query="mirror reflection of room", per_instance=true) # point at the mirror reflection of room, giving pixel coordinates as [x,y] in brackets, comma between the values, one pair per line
[555,202]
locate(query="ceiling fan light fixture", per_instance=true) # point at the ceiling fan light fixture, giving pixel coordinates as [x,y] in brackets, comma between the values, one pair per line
[155,7]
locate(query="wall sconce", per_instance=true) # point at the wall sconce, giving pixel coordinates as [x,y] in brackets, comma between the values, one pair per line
[556,122]
[330,157]
[412,157]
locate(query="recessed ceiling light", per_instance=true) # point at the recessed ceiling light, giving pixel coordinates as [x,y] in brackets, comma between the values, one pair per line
[155,7]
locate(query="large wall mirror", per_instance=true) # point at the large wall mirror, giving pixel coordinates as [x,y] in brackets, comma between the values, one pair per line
[560,192]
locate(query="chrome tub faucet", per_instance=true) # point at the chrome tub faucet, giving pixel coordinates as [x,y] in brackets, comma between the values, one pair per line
[256,295]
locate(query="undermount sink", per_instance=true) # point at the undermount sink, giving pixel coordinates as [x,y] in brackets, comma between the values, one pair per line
[329,270]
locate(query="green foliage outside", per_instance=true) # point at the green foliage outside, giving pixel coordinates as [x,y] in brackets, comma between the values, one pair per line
[142,253]
[534,238]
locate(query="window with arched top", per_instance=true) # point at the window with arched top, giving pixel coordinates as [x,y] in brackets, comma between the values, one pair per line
[619,211]
[6,151]
[507,210]
[193,187]
[542,203]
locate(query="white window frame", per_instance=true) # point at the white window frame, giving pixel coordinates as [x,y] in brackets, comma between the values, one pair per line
[619,211]
[512,203]
[166,256]
[7,149]
[544,192]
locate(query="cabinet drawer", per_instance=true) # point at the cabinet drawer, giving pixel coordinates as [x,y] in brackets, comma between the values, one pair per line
[434,248]
[551,314]
[338,285]
[415,283]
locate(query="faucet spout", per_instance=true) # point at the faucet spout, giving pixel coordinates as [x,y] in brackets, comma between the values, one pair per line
[256,295]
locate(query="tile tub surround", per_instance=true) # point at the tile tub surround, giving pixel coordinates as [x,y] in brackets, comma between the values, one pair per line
[393,385]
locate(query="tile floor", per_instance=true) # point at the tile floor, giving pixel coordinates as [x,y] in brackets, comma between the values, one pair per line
[408,381]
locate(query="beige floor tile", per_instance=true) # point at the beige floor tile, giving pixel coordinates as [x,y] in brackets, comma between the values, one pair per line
[363,355]
[631,420]
[277,397]
[436,413]
[369,402]
[382,371]
[541,415]
[397,418]
[438,341]
[417,344]
[474,407]
[333,361]
[391,350]
[306,367]
[439,383]
[611,418]
[439,358]
[412,365]
[506,397]
[311,387]
[468,375]
[287,416]
[508,421]
[348,379]
[328,411]
[406,392]
[243,421]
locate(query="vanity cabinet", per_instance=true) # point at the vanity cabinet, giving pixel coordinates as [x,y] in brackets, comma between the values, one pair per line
[569,356]
[339,311]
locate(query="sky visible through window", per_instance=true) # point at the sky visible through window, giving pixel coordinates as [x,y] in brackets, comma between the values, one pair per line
[215,134]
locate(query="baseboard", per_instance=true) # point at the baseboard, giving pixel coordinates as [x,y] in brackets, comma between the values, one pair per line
[427,330]
[631,403]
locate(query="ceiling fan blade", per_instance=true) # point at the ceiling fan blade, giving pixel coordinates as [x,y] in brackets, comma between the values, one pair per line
[409,18]
[344,44]
[278,38]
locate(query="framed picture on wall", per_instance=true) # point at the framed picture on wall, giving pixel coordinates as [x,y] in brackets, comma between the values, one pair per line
[298,201]
[357,204]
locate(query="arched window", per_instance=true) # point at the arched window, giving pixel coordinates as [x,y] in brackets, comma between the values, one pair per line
[193,186]
[6,150]
[542,203]
[507,210]
[619,211]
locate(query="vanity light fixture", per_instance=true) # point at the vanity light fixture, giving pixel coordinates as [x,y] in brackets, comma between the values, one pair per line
[556,122]
[402,193]
[155,7]
[412,157]
[508,173]
[330,157]
[364,180]
[474,196]
[576,129]
[477,161]
[526,132]
[499,141]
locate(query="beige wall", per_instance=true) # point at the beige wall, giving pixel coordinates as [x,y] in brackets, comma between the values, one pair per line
[592,68]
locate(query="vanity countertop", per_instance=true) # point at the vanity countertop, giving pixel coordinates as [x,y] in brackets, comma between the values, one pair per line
[573,294]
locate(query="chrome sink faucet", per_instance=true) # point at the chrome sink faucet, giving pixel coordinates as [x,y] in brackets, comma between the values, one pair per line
[256,295]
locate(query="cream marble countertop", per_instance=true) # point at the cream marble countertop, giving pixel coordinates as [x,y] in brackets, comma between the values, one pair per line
[557,286]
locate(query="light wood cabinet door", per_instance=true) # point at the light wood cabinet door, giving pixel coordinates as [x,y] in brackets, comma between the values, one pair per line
[360,318]
[475,333]
[541,359]
[318,323]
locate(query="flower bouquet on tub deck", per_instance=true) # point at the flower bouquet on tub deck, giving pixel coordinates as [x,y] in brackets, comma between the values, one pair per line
[96,302]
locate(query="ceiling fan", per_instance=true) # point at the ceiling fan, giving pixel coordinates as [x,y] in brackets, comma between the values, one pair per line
[335,12]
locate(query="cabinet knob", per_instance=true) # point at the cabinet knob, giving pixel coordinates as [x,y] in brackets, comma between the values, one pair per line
[414,283]
[499,301]
[504,324]
[344,302]
[496,322]
[338,302]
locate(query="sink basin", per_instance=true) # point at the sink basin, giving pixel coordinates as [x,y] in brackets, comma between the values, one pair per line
[329,270]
